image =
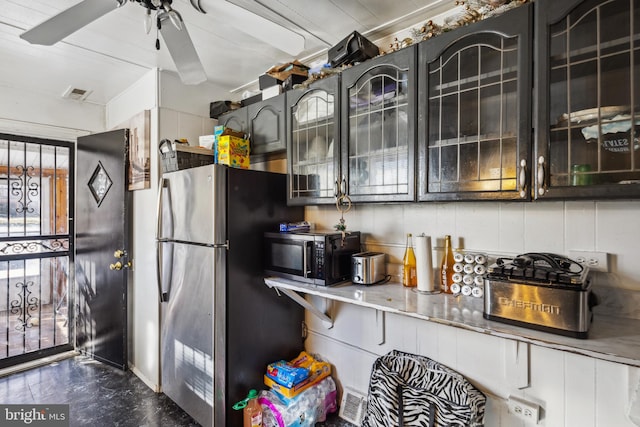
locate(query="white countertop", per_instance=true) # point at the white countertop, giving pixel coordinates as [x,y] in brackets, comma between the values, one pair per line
[610,338]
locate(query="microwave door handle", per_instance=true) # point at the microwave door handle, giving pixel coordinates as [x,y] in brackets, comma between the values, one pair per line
[305,260]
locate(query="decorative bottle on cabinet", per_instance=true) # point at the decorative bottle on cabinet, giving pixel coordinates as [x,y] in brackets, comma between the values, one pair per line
[252,413]
[409,276]
[446,267]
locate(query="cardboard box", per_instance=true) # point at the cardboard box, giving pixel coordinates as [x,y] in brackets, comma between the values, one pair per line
[232,151]
[295,390]
[207,141]
[265,81]
[286,385]
[292,80]
[281,72]
[271,92]
[251,100]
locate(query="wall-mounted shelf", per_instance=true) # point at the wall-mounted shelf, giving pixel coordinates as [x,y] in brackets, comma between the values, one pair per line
[610,338]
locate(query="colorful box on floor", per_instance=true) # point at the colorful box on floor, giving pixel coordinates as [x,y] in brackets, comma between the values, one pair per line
[291,382]
[289,392]
[232,151]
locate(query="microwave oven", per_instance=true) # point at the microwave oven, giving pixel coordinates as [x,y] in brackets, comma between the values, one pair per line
[319,258]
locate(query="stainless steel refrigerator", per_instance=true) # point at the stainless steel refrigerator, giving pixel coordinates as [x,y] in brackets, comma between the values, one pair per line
[220,324]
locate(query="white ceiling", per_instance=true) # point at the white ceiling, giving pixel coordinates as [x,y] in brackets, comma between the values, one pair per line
[113,52]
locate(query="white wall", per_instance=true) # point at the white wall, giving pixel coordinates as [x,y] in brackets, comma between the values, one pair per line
[32,114]
[164,95]
[573,390]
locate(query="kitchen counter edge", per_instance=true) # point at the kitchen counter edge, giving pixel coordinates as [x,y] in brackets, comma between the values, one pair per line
[613,339]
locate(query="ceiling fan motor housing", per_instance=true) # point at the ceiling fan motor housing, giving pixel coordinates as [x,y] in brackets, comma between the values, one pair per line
[153,4]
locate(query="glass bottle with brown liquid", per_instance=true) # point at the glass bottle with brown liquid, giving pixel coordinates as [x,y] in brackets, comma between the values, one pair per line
[446,266]
[409,276]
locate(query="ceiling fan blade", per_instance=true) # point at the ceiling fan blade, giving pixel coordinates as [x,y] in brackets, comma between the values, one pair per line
[182,51]
[263,29]
[69,21]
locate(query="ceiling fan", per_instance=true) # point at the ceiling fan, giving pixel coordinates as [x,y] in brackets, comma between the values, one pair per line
[171,26]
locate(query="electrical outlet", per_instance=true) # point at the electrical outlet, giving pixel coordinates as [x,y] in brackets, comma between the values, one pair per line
[523,409]
[596,261]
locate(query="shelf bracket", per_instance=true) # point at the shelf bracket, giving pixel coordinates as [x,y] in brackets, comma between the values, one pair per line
[380,327]
[516,354]
[326,320]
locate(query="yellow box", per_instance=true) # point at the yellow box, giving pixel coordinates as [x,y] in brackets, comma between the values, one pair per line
[233,151]
[290,392]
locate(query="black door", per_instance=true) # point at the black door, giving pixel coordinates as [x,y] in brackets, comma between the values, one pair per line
[102,231]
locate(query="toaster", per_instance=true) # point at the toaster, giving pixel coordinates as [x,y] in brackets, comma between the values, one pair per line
[368,268]
[542,291]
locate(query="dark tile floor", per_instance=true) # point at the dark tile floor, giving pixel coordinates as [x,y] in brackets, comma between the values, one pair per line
[99,395]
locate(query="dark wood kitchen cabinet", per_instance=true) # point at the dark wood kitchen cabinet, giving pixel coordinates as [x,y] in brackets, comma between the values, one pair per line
[266,120]
[235,119]
[474,110]
[313,142]
[588,99]
[378,116]
[263,121]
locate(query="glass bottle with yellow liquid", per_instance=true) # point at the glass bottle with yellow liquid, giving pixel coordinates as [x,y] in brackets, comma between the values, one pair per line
[409,276]
[446,266]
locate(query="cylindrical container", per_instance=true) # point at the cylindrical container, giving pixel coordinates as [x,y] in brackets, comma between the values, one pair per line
[424,265]
[580,174]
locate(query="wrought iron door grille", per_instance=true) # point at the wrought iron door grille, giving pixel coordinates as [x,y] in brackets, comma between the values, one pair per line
[36,204]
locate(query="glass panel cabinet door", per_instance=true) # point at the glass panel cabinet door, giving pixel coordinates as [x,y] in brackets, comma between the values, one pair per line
[313,142]
[589,95]
[378,128]
[474,107]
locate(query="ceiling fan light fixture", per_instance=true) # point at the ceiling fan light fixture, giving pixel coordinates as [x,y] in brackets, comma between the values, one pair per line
[147,21]
[174,16]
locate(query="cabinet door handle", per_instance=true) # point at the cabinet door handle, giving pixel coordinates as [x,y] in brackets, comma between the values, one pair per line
[336,189]
[540,175]
[343,186]
[523,178]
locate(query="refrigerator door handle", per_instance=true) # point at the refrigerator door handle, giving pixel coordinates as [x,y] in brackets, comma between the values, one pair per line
[161,186]
[163,295]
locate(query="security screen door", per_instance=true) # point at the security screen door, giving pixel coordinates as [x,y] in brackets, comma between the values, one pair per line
[36,247]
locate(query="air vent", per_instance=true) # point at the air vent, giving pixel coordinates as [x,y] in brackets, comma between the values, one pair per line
[353,406]
[76,93]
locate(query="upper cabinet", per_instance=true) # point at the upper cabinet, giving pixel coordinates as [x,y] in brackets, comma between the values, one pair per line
[266,121]
[474,104]
[313,142]
[235,119]
[588,99]
[378,102]
[263,121]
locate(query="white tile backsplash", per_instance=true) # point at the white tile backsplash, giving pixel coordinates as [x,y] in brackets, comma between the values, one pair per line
[571,389]
[505,228]
[580,226]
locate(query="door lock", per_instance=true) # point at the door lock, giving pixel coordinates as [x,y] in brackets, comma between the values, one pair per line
[119,266]
[121,255]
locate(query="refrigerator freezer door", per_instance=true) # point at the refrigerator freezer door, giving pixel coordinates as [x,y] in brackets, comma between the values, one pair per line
[191,199]
[187,323]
